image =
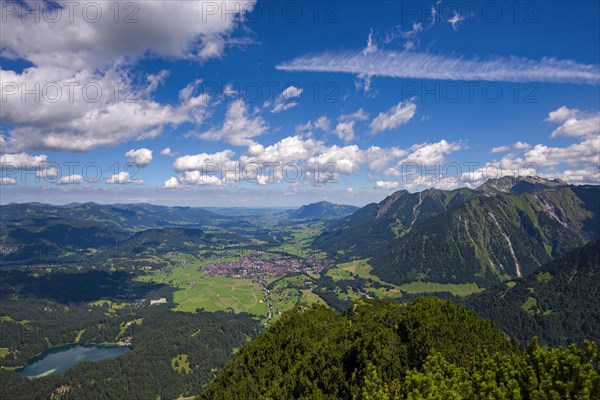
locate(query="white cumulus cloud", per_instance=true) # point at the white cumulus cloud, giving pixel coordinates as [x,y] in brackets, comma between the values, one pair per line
[238,128]
[586,152]
[7,180]
[347,159]
[22,161]
[574,122]
[589,175]
[202,161]
[430,153]
[200,178]
[74,179]
[562,114]
[345,131]
[171,183]
[521,145]
[123,178]
[195,30]
[82,69]
[500,149]
[387,185]
[83,110]
[140,157]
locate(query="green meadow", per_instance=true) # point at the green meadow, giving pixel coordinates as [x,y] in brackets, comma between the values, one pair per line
[194,289]
[362,269]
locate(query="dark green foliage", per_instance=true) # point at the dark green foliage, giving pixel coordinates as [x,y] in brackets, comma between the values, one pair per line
[567,300]
[50,324]
[473,242]
[427,349]
[125,217]
[55,308]
[537,374]
[519,185]
[314,353]
[70,287]
[44,240]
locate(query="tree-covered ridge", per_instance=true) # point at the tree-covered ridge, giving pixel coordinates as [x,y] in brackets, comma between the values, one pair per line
[559,302]
[125,217]
[427,349]
[34,233]
[504,230]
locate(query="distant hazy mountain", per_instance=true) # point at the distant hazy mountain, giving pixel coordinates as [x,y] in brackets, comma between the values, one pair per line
[320,210]
[43,233]
[559,302]
[127,217]
[506,228]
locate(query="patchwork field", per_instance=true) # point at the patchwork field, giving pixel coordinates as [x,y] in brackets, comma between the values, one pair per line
[309,297]
[216,293]
[362,269]
[196,290]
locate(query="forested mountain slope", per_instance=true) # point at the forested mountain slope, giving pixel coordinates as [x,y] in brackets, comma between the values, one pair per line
[505,229]
[427,349]
[560,302]
[371,228]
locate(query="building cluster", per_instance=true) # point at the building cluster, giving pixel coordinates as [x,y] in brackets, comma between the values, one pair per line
[10,247]
[260,268]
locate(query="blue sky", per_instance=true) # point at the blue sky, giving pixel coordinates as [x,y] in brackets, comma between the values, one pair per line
[241,104]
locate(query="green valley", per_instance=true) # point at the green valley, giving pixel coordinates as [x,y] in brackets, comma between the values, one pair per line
[190,297]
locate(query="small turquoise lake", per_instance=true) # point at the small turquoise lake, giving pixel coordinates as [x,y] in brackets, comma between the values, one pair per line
[58,360]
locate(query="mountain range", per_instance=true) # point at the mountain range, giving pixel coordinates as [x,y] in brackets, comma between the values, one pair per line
[504,229]
[39,233]
[44,233]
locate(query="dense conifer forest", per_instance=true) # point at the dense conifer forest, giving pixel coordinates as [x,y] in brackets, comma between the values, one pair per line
[427,349]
